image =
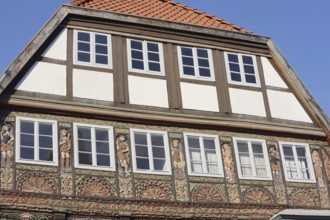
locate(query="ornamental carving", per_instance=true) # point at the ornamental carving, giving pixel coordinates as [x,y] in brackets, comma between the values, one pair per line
[178,158]
[302,197]
[154,190]
[228,161]
[23,216]
[66,184]
[95,186]
[257,195]
[37,183]
[7,140]
[317,162]
[233,193]
[123,153]
[326,164]
[207,193]
[65,149]
[125,187]
[181,190]
[6,178]
[274,158]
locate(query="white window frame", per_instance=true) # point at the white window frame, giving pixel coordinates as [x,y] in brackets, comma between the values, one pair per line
[265,152]
[92,49]
[218,154]
[112,166]
[168,170]
[36,141]
[145,57]
[196,66]
[241,67]
[309,162]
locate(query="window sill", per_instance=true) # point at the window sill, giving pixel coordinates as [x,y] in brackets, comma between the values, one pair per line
[165,173]
[94,167]
[206,175]
[37,162]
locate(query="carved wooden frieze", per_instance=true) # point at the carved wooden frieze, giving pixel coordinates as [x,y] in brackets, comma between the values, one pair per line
[66,184]
[31,167]
[154,190]
[35,182]
[303,197]
[25,216]
[207,193]
[257,195]
[95,186]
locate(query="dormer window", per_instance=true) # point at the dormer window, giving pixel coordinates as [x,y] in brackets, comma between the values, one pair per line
[195,63]
[92,49]
[145,57]
[242,69]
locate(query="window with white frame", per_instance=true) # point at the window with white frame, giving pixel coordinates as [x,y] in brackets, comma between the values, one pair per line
[252,159]
[203,154]
[145,56]
[92,48]
[150,151]
[36,141]
[195,63]
[242,69]
[297,162]
[94,147]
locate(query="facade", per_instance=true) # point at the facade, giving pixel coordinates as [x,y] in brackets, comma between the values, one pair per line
[148,109]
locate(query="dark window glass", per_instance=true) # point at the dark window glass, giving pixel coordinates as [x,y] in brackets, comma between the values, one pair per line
[247,60]
[101,39]
[202,53]
[301,152]
[136,45]
[209,143]
[27,153]
[242,147]
[193,142]
[101,49]
[287,151]
[27,127]
[233,58]
[141,151]
[137,55]
[83,36]
[84,145]
[45,129]
[101,135]
[203,63]
[101,59]
[45,142]
[103,160]
[236,77]
[204,72]
[248,69]
[234,67]
[157,140]
[102,147]
[84,57]
[154,67]
[250,79]
[140,138]
[85,158]
[186,51]
[136,64]
[142,164]
[152,47]
[257,148]
[188,71]
[153,57]
[27,140]
[84,133]
[158,152]
[188,61]
[46,155]
[84,47]
[159,164]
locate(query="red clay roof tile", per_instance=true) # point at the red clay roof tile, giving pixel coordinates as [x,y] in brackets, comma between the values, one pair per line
[160,9]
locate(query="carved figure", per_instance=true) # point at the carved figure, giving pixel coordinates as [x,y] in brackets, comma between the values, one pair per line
[123,152]
[228,161]
[65,149]
[7,140]
[318,167]
[327,164]
[178,160]
[274,158]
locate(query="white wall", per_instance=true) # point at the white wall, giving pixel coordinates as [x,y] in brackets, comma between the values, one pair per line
[284,105]
[247,102]
[147,91]
[44,78]
[199,97]
[57,49]
[272,77]
[93,85]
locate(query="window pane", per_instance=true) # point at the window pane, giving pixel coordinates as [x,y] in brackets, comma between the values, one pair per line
[247,60]
[103,160]
[141,151]
[84,47]
[152,47]
[27,140]
[154,67]
[85,158]
[84,133]
[193,142]
[233,58]
[27,127]
[101,59]
[153,57]
[137,65]
[102,147]
[234,67]
[186,51]
[45,142]
[27,153]
[101,135]
[101,39]
[248,69]
[188,71]
[257,148]
[46,155]
[159,165]
[158,152]
[83,36]
[202,53]
[287,151]
[142,164]
[209,143]
[213,168]
[84,57]
[84,145]
[196,166]
[157,140]
[301,152]
[137,55]
[188,61]
[242,147]
[250,79]
[236,77]
[204,72]
[101,49]
[45,129]
[136,44]
[203,63]
[140,138]
[211,156]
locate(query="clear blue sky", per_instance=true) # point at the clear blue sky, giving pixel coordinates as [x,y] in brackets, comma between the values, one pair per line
[300,28]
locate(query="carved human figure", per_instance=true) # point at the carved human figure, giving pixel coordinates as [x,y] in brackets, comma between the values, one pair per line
[178,160]
[123,152]
[7,140]
[327,164]
[274,158]
[228,161]
[65,149]
[318,167]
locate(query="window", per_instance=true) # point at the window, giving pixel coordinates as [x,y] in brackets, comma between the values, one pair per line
[36,141]
[150,152]
[242,69]
[203,154]
[92,48]
[252,159]
[93,147]
[195,63]
[145,56]
[297,162]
